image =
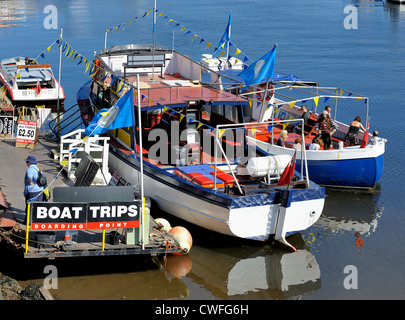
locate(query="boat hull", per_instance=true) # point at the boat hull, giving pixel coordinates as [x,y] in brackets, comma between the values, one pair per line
[345,168]
[252,217]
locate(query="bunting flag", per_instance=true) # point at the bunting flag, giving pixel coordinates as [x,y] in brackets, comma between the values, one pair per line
[123,85]
[122,25]
[221,47]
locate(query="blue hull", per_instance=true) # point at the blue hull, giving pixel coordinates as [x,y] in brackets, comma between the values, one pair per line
[352,173]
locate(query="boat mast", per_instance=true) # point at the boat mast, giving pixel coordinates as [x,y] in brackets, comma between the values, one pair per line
[153,48]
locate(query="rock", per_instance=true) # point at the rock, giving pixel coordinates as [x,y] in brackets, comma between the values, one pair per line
[32,292]
[10,289]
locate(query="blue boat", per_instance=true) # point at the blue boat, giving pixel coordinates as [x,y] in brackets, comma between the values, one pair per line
[344,166]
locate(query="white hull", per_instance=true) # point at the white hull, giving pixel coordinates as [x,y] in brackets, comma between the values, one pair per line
[253,222]
[355,152]
[21,80]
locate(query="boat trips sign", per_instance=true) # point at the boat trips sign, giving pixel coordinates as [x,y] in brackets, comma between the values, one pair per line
[82,216]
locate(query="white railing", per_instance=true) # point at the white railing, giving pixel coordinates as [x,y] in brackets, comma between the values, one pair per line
[93,146]
[251,126]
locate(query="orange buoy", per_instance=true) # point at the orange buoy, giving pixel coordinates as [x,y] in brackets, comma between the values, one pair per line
[183,237]
[178,265]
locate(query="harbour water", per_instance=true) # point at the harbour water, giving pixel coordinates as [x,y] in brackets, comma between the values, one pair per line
[315,42]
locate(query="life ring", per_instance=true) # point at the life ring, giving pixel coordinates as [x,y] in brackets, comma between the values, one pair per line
[262,87]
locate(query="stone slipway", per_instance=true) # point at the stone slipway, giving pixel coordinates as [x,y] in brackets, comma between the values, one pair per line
[13,168]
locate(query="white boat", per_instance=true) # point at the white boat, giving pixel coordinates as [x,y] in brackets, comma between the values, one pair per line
[220,63]
[342,166]
[30,84]
[179,169]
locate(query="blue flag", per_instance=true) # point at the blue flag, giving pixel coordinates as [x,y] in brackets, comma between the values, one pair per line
[119,115]
[226,37]
[260,70]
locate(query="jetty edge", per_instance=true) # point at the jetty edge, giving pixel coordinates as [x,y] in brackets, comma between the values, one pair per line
[51,237]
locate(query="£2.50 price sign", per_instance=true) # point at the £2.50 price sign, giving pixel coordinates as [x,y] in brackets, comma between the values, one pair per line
[26,132]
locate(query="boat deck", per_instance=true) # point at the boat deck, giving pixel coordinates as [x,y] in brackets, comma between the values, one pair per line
[172,90]
[89,243]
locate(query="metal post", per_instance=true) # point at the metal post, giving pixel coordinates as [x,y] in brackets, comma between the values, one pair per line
[27,227]
[153,32]
[140,158]
[367,119]
[215,160]
[60,71]
[105,38]
[261,115]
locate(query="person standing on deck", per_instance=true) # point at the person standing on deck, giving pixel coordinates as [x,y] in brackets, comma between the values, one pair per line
[326,128]
[352,135]
[32,192]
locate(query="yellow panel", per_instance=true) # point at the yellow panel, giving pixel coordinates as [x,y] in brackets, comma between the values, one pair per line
[124,137]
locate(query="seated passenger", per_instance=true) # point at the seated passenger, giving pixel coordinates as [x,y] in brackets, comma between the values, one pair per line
[297,144]
[316,144]
[283,137]
[376,138]
[305,115]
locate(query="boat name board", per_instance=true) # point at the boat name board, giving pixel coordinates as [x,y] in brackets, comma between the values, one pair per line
[82,216]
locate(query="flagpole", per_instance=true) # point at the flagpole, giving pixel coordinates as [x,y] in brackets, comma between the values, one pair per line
[140,159]
[229,39]
[262,110]
[153,49]
[60,71]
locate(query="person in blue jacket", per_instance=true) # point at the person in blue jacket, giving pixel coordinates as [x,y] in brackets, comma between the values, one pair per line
[32,191]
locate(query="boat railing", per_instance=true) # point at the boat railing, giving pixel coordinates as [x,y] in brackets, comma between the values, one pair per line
[255,125]
[64,121]
[72,145]
[317,93]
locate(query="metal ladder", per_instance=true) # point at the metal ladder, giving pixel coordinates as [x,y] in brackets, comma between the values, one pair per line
[64,122]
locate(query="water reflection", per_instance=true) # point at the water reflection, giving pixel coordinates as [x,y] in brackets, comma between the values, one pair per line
[257,273]
[14,13]
[394,10]
[350,212]
[241,272]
